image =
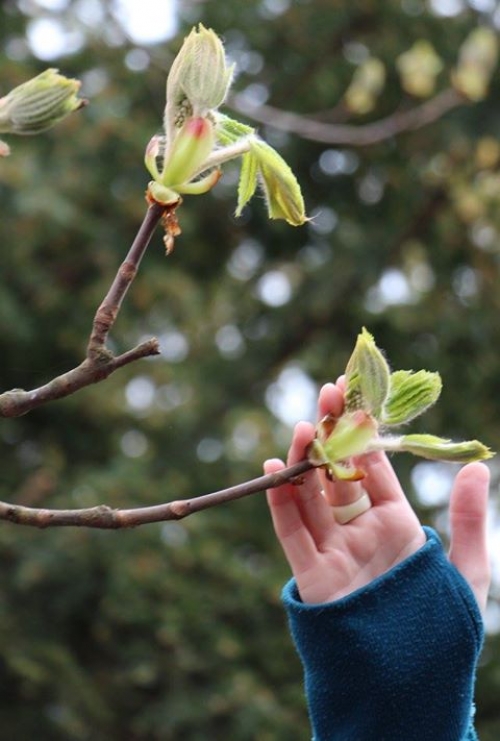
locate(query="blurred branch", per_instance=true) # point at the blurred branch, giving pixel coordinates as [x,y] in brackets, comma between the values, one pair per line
[347,134]
[99,362]
[106,518]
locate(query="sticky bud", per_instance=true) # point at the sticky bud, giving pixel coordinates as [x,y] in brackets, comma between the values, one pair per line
[197,139]
[367,377]
[40,103]
[338,440]
[199,78]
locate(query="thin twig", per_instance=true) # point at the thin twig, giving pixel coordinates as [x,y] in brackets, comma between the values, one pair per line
[106,518]
[100,361]
[108,310]
[348,134]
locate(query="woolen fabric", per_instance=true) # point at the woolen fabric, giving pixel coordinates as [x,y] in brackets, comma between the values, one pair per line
[395,660]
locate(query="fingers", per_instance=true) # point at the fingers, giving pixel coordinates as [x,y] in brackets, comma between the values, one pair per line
[330,400]
[302,436]
[302,519]
[380,480]
[296,540]
[302,516]
[315,512]
[468,519]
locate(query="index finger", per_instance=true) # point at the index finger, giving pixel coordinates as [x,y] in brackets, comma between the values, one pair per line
[289,526]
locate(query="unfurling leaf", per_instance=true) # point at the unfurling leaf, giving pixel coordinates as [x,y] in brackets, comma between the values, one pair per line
[367,377]
[338,440]
[410,394]
[230,131]
[439,449]
[280,186]
[375,398]
[248,180]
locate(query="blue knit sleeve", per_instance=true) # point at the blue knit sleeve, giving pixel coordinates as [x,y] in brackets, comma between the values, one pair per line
[395,660]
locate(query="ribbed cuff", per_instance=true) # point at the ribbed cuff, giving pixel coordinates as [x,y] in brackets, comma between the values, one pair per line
[395,659]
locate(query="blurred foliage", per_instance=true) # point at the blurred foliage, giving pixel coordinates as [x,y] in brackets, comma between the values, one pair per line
[176,630]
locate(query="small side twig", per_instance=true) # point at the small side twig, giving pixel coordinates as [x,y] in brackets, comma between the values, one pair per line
[100,361]
[106,518]
[349,134]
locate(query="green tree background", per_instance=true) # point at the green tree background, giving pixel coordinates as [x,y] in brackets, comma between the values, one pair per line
[176,630]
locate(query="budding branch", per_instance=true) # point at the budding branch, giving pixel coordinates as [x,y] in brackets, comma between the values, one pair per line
[99,362]
[107,518]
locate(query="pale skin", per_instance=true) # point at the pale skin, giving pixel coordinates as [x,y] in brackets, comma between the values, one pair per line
[329,561]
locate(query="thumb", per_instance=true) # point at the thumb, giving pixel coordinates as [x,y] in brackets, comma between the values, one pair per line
[468,515]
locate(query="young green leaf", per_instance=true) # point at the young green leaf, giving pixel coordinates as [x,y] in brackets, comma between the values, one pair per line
[375,397]
[248,180]
[439,449]
[230,131]
[338,440]
[410,394]
[281,189]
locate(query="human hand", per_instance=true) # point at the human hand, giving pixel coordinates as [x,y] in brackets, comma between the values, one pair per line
[329,560]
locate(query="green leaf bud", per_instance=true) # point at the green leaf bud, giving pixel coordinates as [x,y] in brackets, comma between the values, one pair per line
[418,69]
[476,63]
[439,449]
[338,440]
[367,377]
[40,103]
[199,78]
[198,139]
[410,394]
[366,85]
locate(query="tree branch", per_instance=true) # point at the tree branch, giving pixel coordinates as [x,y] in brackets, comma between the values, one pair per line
[100,361]
[106,518]
[347,134]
